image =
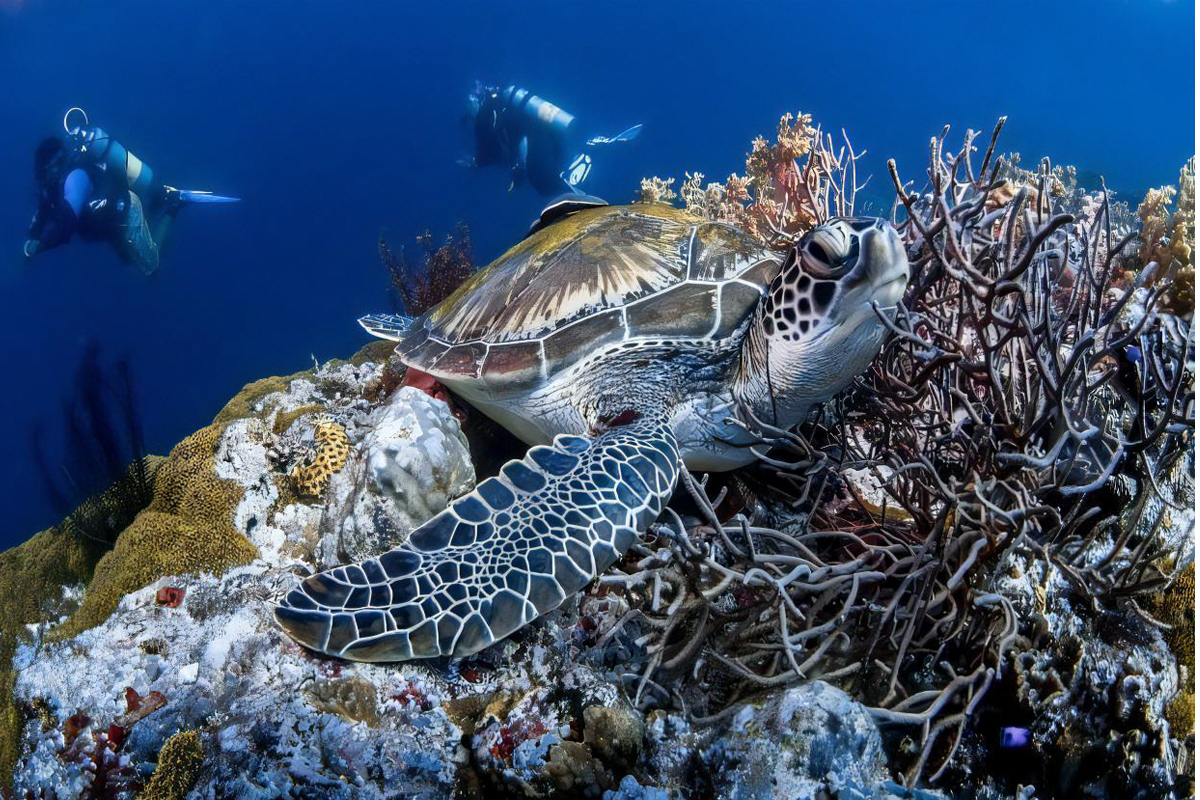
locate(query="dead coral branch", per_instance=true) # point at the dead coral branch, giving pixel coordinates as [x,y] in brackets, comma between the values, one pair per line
[1019,385]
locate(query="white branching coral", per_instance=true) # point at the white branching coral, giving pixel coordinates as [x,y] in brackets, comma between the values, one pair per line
[657,190]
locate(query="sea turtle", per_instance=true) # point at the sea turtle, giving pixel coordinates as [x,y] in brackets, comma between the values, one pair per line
[619,341]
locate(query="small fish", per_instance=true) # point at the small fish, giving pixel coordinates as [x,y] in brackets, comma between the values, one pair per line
[1013,737]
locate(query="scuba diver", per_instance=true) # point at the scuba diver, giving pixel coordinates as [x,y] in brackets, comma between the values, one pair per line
[89,184]
[533,138]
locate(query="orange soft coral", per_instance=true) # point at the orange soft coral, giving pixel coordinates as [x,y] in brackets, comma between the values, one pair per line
[789,185]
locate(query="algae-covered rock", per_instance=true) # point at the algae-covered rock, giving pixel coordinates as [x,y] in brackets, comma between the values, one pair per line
[178,767]
[246,403]
[537,744]
[187,528]
[32,575]
[418,455]
[802,744]
[408,460]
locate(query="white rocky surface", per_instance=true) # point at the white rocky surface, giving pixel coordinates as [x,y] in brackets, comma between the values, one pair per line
[809,742]
[410,462]
[226,668]
[527,718]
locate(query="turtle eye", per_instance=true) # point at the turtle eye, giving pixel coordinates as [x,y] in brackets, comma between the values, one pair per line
[822,259]
[819,253]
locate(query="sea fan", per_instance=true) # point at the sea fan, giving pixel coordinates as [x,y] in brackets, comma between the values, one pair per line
[418,285]
[104,477]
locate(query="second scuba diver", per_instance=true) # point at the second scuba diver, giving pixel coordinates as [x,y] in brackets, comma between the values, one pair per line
[533,138]
[89,184]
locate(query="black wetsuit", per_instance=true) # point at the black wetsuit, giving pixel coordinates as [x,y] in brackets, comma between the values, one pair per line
[533,138]
[102,193]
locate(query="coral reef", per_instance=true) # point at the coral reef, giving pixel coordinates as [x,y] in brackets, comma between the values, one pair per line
[977,453]
[215,655]
[188,527]
[972,572]
[1168,237]
[178,768]
[419,285]
[789,185]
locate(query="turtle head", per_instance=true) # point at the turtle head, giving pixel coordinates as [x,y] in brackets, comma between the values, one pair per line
[817,327]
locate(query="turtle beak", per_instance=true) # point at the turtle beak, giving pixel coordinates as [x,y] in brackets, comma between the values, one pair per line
[888,264]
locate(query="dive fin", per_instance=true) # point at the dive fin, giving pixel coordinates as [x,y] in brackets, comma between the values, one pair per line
[201,196]
[386,326]
[627,135]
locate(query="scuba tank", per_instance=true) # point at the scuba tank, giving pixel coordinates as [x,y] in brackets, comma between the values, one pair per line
[540,135]
[93,144]
[538,114]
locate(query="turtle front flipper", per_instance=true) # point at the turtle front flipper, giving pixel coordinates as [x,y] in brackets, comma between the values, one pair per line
[497,558]
[386,326]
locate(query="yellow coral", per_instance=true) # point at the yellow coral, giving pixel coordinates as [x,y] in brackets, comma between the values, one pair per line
[1169,237]
[311,474]
[1177,608]
[31,575]
[187,528]
[178,768]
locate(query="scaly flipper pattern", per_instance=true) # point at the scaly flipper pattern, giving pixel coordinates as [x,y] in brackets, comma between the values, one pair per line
[386,326]
[497,558]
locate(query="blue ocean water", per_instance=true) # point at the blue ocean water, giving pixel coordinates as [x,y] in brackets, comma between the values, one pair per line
[336,121]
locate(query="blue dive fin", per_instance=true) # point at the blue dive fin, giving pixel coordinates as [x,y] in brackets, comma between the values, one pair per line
[200,196]
[627,135]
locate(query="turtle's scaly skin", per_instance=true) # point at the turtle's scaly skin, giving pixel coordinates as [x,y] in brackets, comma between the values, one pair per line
[499,557]
[327,456]
[625,338]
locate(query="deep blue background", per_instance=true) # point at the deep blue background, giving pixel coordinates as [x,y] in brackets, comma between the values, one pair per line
[336,121]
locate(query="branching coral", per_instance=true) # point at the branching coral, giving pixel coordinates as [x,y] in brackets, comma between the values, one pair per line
[105,461]
[789,186]
[1168,236]
[187,528]
[1000,409]
[657,190]
[419,286]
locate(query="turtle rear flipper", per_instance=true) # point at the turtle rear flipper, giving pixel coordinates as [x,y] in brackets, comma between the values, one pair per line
[497,558]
